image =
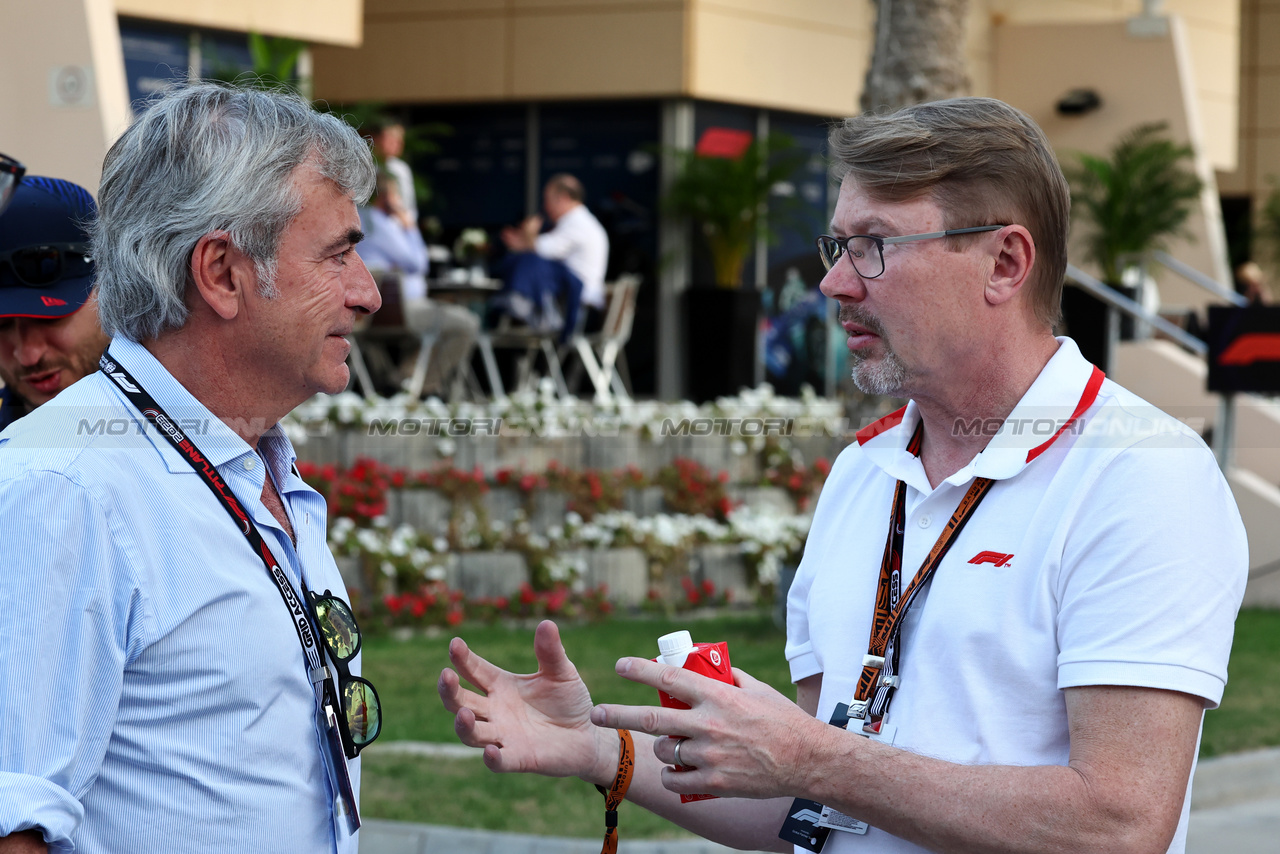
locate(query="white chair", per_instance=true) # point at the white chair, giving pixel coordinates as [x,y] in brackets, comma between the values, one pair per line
[602,353]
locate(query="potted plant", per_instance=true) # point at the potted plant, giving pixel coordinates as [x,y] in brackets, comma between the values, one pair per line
[1132,202]
[724,193]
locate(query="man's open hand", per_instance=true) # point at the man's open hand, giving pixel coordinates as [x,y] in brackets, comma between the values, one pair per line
[539,722]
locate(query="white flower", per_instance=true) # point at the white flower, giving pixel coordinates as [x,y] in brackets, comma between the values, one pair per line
[388,569]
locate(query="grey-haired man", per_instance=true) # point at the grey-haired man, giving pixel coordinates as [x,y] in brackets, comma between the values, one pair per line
[178,674]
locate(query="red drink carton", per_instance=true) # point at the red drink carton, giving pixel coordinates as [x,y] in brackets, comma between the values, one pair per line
[709,659]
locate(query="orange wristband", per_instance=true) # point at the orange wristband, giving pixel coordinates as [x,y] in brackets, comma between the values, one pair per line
[617,791]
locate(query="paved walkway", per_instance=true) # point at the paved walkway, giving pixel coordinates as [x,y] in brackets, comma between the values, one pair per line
[1235,808]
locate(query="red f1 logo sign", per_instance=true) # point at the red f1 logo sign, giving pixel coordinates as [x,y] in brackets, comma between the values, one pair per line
[996,558]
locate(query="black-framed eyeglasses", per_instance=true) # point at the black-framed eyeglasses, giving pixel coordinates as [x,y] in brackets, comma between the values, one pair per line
[866,252]
[45,264]
[11,172]
[361,719]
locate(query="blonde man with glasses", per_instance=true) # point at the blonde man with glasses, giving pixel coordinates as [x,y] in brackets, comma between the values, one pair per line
[1017,597]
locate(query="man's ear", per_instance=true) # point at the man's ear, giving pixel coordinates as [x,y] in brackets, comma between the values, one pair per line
[1015,254]
[221,274]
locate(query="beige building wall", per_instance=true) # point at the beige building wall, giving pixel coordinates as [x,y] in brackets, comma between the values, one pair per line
[807,56]
[1259,143]
[64,98]
[443,51]
[1213,39]
[323,21]
[803,55]
[1140,79]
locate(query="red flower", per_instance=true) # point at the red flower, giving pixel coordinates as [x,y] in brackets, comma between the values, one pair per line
[501,603]
[394,604]
[527,596]
[708,588]
[329,472]
[555,601]
[453,618]
[502,476]
[529,482]
[723,477]
[796,482]
[419,607]
[397,479]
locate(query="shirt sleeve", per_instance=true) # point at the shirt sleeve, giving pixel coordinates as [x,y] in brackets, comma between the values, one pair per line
[65,638]
[557,244]
[800,655]
[391,245]
[1153,573]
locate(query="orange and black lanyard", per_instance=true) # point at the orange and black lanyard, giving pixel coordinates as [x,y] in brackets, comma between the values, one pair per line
[880,665]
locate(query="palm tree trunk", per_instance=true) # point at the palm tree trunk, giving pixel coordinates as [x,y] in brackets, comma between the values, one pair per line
[918,54]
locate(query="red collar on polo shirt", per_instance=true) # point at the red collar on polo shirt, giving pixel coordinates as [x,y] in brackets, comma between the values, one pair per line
[1061,394]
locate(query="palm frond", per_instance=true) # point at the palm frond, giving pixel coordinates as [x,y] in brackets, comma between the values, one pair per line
[1135,199]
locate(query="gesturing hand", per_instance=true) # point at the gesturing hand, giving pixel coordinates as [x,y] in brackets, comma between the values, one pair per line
[746,741]
[539,722]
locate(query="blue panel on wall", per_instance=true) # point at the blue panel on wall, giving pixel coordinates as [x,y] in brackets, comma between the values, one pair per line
[798,333]
[224,56]
[478,177]
[154,58]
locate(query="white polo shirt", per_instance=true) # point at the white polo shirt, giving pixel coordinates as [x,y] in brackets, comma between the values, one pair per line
[1109,552]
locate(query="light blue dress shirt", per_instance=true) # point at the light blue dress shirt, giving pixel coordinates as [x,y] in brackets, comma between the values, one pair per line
[153,692]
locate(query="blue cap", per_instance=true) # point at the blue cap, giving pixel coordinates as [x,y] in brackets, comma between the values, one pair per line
[47,212]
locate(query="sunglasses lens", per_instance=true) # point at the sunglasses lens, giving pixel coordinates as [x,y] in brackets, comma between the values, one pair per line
[39,265]
[341,634]
[364,712]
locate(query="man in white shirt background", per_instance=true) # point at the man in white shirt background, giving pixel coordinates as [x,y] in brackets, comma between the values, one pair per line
[577,238]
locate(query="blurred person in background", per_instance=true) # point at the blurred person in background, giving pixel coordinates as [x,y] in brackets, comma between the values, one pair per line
[393,243]
[577,238]
[49,331]
[388,147]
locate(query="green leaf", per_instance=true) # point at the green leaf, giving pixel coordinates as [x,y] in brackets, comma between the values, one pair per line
[1135,199]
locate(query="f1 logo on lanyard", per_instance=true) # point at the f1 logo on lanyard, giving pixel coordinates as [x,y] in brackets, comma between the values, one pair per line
[809,823]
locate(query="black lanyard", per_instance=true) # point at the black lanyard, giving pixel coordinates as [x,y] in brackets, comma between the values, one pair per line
[298,615]
[880,666]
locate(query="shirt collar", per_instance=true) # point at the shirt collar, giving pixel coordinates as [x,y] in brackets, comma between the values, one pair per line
[1064,389]
[215,440]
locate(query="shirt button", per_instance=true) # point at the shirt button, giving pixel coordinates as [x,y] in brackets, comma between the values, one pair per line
[924,521]
[249,464]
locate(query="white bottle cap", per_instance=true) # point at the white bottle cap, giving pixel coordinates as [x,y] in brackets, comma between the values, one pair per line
[675,643]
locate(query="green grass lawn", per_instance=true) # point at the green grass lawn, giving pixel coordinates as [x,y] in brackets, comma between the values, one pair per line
[1249,717]
[463,793]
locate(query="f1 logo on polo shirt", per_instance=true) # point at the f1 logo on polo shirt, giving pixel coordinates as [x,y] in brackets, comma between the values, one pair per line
[997,558]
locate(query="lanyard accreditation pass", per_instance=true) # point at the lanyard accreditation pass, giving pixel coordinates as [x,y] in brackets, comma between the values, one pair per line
[808,822]
[345,808]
